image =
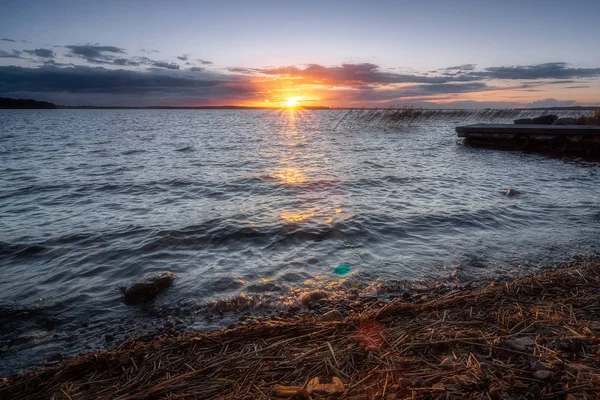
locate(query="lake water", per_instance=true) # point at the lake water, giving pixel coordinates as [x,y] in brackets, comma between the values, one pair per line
[254,204]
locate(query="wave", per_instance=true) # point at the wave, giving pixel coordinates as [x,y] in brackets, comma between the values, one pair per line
[236,229]
[134,151]
[185,149]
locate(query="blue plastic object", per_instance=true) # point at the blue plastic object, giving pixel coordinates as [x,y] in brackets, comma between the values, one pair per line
[343,269]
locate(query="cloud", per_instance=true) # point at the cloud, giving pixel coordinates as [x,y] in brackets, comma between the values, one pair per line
[124,62]
[164,64]
[8,40]
[96,54]
[77,84]
[240,70]
[120,79]
[44,53]
[14,54]
[463,67]
[533,84]
[387,95]
[149,51]
[54,63]
[444,88]
[371,74]
[81,79]
[555,70]
[551,102]
[355,74]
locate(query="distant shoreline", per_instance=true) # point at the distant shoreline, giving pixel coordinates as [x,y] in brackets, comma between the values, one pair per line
[26,104]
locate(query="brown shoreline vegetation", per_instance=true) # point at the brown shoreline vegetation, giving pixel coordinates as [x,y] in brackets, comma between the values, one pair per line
[535,337]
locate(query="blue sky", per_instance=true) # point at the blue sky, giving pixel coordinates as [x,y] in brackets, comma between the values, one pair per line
[399,37]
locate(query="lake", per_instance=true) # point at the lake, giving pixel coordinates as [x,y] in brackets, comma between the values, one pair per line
[254,207]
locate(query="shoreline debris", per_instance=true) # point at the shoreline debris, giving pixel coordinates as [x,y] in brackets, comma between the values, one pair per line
[534,337]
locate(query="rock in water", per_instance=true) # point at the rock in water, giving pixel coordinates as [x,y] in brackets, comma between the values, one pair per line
[147,288]
[566,121]
[545,119]
[523,121]
[542,120]
[511,192]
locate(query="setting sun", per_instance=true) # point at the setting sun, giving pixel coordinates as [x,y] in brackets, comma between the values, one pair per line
[292,102]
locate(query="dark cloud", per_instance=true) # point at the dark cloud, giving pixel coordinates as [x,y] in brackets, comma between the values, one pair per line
[99,85]
[353,74]
[531,84]
[14,54]
[8,40]
[463,67]
[164,64]
[366,73]
[555,70]
[409,93]
[96,54]
[183,57]
[125,61]
[149,51]
[444,88]
[54,63]
[240,70]
[205,62]
[196,69]
[44,53]
[81,79]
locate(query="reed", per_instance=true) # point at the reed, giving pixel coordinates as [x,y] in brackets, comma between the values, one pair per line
[405,116]
[535,337]
[590,120]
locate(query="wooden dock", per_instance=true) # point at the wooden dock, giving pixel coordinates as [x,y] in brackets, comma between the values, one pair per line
[580,139]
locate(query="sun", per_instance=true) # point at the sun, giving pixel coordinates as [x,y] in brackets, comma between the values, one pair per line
[292,102]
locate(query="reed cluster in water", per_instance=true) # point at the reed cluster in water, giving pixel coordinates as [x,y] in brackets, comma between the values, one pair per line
[397,117]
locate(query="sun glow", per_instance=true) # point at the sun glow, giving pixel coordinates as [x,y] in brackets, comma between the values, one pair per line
[292,102]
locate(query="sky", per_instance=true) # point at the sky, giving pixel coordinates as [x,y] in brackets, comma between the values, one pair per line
[430,53]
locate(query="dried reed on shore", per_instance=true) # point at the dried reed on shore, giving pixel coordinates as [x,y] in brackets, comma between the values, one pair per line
[536,337]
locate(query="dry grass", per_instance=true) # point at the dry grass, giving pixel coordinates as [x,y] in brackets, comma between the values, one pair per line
[485,343]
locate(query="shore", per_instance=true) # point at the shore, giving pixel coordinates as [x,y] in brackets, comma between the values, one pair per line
[536,337]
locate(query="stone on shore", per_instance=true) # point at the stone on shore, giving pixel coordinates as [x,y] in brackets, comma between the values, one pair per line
[147,288]
[524,344]
[333,315]
[313,297]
